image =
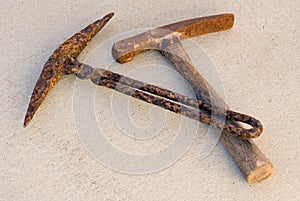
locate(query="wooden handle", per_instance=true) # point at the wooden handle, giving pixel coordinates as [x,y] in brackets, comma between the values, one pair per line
[254,165]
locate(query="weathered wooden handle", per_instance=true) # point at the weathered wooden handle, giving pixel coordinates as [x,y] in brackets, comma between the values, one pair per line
[252,162]
[254,165]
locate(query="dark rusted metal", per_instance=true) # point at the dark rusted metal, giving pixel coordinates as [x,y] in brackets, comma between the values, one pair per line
[169,100]
[254,165]
[64,61]
[124,51]
[55,66]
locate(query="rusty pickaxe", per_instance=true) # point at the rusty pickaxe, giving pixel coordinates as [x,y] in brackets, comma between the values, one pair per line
[64,61]
[252,162]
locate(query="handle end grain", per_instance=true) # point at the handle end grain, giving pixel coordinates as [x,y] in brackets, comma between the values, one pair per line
[260,173]
[254,165]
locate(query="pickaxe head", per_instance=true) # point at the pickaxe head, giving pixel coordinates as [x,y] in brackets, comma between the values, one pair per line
[124,50]
[60,63]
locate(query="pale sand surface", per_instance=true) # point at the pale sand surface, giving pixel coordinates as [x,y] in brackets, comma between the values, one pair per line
[257,62]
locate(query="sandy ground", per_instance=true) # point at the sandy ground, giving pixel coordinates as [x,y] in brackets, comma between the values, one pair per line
[257,63]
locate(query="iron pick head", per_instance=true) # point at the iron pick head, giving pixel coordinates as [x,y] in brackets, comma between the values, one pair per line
[57,64]
[124,50]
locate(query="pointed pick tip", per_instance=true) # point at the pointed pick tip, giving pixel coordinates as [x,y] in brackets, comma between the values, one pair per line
[26,120]
[109,16]
[25,124]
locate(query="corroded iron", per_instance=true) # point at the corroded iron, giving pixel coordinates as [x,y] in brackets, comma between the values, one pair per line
[64,61]
[169,100]
[124,50]
[56,64]
[254,165]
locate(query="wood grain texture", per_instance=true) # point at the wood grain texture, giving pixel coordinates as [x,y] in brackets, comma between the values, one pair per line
[252,162]
[254,165]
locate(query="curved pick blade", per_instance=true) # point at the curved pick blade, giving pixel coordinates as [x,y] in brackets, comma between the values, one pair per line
[58,61]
